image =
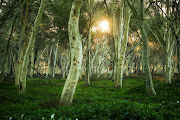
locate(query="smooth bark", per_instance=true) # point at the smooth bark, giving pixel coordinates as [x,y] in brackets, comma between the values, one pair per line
[29,49]
[55,58]
[76,54]
[88,65]
[49,62]
[124,45]
[148,76]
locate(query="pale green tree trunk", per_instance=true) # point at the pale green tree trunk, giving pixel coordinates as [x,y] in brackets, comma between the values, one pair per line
[115,65]
[66,69]
[32,64]
[76,54]
[167,41]
[15,68]
[29,49]
[124,45]
[18,64]
[101,61]
[169,47]
[174,68]
[129,63]
[178,61]
[140,18]
[93,59]
[49,62]
[120,46]
[55,58]
[88,65]
[22,47]
[119,42]
[39,56]
[148,76]
[169,55]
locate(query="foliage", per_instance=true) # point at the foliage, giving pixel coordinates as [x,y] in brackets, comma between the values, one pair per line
[98,101]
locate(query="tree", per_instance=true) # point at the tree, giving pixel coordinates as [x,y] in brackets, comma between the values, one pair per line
[3,19]
[76,54]
[140,18]
[88,65]
[120,26]
[165,33]
[30,48]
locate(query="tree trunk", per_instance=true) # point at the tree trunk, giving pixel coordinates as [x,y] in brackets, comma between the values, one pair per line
[55,57]
[169,54]
[22,47]
[88,65]
[66,69]
[117,34]
[124,46]
[148,76]
[49,62]
[76,54]
[178,61]
[168,68]
[92,61]
[115,65]
[32,64]
[29,49]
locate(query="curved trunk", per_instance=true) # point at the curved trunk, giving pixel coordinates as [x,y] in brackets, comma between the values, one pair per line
[169,54]
[124,47]
[32,64]
[148,76]
[149,83]
[76,54]
[115,62]
[29,49]
[168,68]
[49,62]
[55,58]
[88,62]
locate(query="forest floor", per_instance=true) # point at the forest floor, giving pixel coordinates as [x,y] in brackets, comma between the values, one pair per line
[97,101]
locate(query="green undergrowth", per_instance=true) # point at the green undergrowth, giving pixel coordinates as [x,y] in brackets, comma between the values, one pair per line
[98,101]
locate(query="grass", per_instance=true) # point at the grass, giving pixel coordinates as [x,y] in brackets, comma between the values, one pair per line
[97,101]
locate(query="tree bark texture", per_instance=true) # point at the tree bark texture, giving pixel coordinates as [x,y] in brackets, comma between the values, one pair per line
[49,62]
[88,65]
[148,76]
[124,45]
[55,58]
[76,54]
[29,49]
[32,64]
[120,44]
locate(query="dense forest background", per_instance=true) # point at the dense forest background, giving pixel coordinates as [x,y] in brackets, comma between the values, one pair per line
[89,59]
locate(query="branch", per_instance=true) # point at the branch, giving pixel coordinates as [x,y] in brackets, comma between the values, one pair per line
[12,21]
[155,35]
[132,9]
[44,75]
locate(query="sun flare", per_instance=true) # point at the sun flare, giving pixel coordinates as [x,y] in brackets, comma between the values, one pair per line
[103,26]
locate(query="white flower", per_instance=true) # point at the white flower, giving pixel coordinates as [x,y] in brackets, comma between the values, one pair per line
[76,119]
[10,118]
[42,118]
[163,101]
[22,115]
[177,101]
[52,116]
